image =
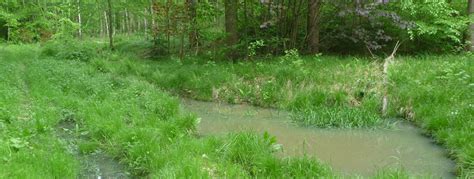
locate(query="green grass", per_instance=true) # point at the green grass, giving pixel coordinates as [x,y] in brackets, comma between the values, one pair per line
[324,92]
[121,105]
[28,149]
[127,117]
[435,92]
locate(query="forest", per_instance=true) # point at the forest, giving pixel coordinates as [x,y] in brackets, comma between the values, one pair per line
[236,89]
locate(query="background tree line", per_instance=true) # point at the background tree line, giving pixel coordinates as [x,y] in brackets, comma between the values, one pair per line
[246,28]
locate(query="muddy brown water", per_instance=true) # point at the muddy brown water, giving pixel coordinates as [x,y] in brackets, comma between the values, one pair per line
[348,151]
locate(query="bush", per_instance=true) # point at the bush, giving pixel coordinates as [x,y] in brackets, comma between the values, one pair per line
[69,50]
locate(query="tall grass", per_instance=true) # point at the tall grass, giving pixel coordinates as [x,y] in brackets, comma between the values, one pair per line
[324,92]
[119,105]
[436,93]
[127,117]
[28,149]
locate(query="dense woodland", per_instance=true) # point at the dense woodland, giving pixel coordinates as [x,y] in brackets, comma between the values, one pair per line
[95,86]
[247,28]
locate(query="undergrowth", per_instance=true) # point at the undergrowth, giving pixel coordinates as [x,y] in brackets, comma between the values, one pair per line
[126,117]
[436,93]
[432,91]
[118,101]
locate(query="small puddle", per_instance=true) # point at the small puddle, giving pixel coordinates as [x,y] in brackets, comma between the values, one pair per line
[96,165]
[349,151]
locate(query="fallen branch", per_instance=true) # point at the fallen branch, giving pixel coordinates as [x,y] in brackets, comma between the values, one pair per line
[370,51]
[387,62]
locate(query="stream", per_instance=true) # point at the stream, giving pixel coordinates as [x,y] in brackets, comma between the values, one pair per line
[347,151]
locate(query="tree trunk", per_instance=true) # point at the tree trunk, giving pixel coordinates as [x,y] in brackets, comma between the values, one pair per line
[111,26]
[193,33]
[168,17]
[470,33]
[231,24]
[314,7]
[106,24]
[145,25]
[295,20]
[79,19]
[154,27]
[126,21]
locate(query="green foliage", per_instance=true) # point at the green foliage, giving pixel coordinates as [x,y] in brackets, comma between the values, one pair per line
[331,92]
[347,99]
[25,150]
[67,28]
[345,27]
[436,22]
[249,151]
[121,109]
[253,47]
[254,154]
[68,49]
[121,115]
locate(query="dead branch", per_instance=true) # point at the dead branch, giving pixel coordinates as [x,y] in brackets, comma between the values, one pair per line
[387,62]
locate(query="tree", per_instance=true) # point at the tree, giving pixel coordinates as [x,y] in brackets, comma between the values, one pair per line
[231,7]
[110,24]
[3,29]
[193,32]
[79,19]
[470,10]
[314,7]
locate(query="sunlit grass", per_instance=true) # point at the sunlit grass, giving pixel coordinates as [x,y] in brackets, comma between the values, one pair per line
[436,93]
[433,91]
[120,105]
[127,117]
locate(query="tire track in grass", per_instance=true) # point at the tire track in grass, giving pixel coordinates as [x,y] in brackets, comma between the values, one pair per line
[94,164]
[25,99]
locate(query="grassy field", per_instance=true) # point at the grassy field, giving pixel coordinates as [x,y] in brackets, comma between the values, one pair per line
[121,105]
[434,92]
[128,118]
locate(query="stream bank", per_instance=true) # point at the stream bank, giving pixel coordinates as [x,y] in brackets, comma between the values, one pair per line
[348,151]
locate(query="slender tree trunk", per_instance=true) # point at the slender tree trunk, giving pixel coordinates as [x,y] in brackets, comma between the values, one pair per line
[106,23]
[127,22]
[231,7]
[145,25]
[111,26]
[134,26]
[154,28]
[168,24]
[115,20]
[8,34]
[313,26]
[79,19]
[193,31]
[101,31]
[283,22]
[122,24]
[470,33]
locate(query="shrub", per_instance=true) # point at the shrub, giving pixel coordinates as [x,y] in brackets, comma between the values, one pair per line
[69,50]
